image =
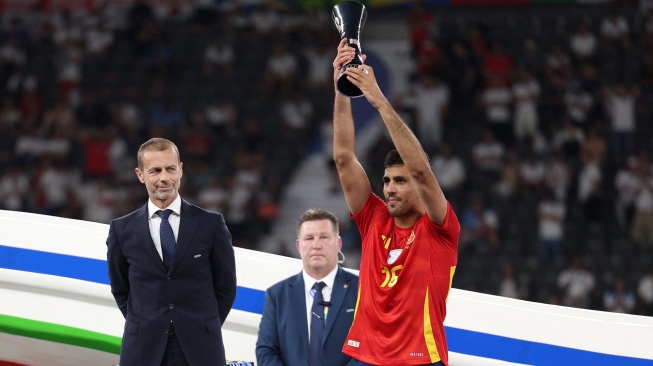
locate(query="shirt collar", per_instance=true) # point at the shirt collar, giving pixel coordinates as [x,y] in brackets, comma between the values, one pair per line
[329,279]
[175,206]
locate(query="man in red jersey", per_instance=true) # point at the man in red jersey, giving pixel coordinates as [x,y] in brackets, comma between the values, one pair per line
[410,241]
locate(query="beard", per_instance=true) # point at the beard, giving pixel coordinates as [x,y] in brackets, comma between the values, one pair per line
[395,209]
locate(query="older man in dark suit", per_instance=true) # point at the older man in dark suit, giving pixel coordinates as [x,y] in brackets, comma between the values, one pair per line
[306,317]
[171,269]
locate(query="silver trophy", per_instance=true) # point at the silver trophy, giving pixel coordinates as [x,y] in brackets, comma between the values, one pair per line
[349,17]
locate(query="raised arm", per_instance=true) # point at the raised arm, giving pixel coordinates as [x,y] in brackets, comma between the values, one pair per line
[355,183]
[405,142]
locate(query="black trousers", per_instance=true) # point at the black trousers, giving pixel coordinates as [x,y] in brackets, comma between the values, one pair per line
[173,356]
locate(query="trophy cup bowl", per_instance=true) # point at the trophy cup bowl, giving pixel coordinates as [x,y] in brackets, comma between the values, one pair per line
[349,17]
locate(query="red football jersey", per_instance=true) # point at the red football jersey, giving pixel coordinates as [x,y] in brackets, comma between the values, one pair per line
[405,278]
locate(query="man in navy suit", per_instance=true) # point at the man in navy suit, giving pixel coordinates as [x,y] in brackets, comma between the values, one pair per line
[173,273]
[285,330]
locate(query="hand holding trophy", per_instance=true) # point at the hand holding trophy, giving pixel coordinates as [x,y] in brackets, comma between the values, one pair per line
[349,17]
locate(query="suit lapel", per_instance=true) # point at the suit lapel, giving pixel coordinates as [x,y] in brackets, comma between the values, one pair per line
[298,306]
[145,237]
[187,226]
[340,287]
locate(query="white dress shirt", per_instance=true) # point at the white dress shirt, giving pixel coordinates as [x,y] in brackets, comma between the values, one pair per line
[155,221]
[326,293]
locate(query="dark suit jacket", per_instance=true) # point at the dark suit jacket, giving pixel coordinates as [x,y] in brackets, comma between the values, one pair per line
[283,333]
[196,293]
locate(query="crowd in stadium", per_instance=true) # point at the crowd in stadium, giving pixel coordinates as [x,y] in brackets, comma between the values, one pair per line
[536,120]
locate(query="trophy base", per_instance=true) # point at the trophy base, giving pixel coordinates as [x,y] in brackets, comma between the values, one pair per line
[345,87]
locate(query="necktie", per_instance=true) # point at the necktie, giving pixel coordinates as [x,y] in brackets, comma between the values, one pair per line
[167,238]
[317,326]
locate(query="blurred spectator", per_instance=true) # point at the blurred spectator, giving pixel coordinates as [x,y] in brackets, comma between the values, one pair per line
[12,54]
[578,103]
[428,58]
[55,182]
[645,291]
[619,299]
[421,26]
[281,69]
[577,284]
[100,199]
[29,146]
[532,172]
[196,141]
[526,92]
[615,30]
[530,57]
[60,117]
[96,145]
[267,206]
[320,71]
[14,189]
[19,81]
[620,107]
[595,146]
[99,39]
[68,29]
[496,100]
[9,118]
[497,64]
[16,31]
[568,139]
[219,57]
[509,287]
[238,212]
[166,117]
[127,111]
[590,190]
[31,102]
[214,196]
[477,43]
[266,20]
[642,227]
[464,78]
[592,84]
[583,44]
[221,115]
[69,72]
[509,183]
[479,226]
[558,176]
[488,155]
[451,173]
[296,112]
[253,139]
[551,214]
[429,98]
[626,183]
[557,61]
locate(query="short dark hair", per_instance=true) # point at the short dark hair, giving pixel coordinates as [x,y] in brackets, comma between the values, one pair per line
[156,144]
[393,158]
[316,214]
